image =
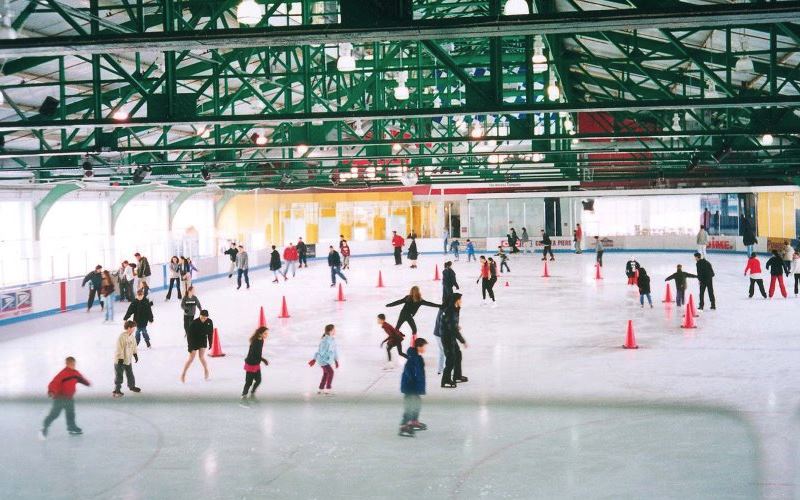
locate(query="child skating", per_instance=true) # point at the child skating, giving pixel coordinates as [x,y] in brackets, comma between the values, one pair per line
[62,389]
[454,247]
[412,385]
[680,284]
[252,364]
[643,282]
[394,339]
[327,358]
[470,250]
[501,254]
[125,352]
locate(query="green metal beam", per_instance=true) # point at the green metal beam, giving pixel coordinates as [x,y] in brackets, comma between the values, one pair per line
[46,203]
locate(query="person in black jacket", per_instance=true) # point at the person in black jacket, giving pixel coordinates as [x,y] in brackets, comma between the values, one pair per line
[643,282]
[547,246]
[143,272]
[252,363]
[411,304]
[631,267]
[413,253]
[142,311]
[302,252]
[275,263]
[705,275]
[448,281]
[200,336]
[231,252]
[451,336]
[775,266]
[95,279]
[335,263]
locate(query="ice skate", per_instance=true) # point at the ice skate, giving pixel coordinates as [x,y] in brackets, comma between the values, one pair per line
[418,426]
[328,392]
[117,394]
[77,431]
[461,380]
[406,431]
[42,434]
[135,389]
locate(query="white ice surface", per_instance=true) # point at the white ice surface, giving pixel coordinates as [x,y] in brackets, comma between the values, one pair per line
[555,339]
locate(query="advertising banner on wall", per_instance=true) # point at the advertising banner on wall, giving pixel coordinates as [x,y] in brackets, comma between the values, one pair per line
[558,243]
[311,250]
[15,302]
[722,243]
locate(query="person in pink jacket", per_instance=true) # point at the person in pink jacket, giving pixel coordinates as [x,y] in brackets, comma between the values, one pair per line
[754,268]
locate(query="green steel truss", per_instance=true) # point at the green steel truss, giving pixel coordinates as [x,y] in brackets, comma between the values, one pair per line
[652,93]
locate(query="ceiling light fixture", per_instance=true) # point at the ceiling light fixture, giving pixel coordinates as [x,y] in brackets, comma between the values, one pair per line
[676,122]
[744,63]
[539,60]
[569,126]
[249,12]
[476,130]
[261,140]
[401,92]
[767,139]
[553,92]
[516,8]
[346,61]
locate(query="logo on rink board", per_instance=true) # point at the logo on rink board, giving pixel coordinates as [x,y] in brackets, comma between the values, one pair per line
[721,244]
[15,302]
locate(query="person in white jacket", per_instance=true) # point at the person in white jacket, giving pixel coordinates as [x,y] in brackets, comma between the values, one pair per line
[126,351]
[788,254]
[702,241]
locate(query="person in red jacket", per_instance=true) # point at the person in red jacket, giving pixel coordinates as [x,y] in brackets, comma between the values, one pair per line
[397,243]
[290,257]
[61,389]
[754,268]
[345,249]
[394,339]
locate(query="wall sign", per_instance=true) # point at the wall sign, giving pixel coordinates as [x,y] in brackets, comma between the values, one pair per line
[15,302]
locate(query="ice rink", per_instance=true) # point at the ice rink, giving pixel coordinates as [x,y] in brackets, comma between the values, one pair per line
[554,405]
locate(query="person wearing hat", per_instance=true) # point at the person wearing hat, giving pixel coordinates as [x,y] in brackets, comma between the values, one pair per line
[451,336]
[199,336]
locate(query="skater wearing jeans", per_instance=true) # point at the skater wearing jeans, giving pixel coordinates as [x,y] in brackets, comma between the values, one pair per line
[327,358]
[108,293]
[252,363]
[485,280]
[290,258]
[190,305]
[243,266]
[470,250]
[775,266]
[412,385]
[643,282]
[142,311]
[754,268]
[62,389]
[680,284]
[126,350]
[302,253]
[335,263]
[174,271]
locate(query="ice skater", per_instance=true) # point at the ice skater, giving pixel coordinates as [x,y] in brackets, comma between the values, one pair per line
[327,358]
[485,280]
[631,270]
[525,241]
[290,259]
[702,241]
[795,270]
[788,253]
[190,305]
[492,275]
[302,253]
[243,267]
[142,311]
[344,248]
[174,272]
[451,336]
[94,278]
[62,390]
[335,263]
[705,276]
[680,284]
[231,253]
[108,294]
[449,281]
[252,363]
[513,242]
[775,266]
[411,304]
[143,272]
[394,339]
[454,246]
[200,336]
[412,385]
[643,282]
[470,250]
[754,268]
[125,352]
[548,246]
[275,263]
[397,244]
[577,237]
[187,272]
[599,249]
[413,253]
[503,259]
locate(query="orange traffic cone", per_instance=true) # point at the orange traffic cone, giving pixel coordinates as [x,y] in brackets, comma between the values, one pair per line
[216,346]
[545,273]
[262,319]
[690,306]
[597,274]
[436,274]
[284,310]
[668,295]
[688,318]
[630,338]
[380,279]
[340,298]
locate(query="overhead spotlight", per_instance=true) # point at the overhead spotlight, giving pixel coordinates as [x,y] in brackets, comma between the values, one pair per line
[346,62]
[539,60]
[87,167]
[516,8]
[767,140]
[301,149]
[476,130]
[553,92]
[745,64]
[120,115]
[249,12]
[261,140]
[140,173]
[569,126]
[722,153]
[409,178]
[401,92]
[676,122]
[694,161]
[205,174]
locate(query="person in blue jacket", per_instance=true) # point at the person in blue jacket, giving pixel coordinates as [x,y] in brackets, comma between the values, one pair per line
[327,357]
[412,385]
[470,251]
